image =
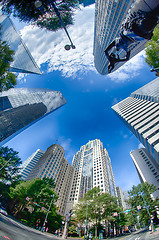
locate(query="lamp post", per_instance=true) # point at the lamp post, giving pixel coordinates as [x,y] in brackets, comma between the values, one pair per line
[151,222]
[85,231]
[67,47]
[47,214]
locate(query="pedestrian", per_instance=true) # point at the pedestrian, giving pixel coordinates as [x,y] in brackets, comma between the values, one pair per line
[47,229]
[150,228]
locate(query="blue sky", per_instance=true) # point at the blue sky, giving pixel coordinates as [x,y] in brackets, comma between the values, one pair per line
[87,115]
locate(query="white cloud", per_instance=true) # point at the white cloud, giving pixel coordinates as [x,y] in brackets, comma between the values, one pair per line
[47,46]
[67,146]
[130,69]
[22,77]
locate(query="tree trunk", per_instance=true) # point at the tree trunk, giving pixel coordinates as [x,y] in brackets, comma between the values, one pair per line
[96,230]
[65,232]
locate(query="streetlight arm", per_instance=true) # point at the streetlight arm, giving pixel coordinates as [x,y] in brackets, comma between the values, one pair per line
[38,4]
[58,14]
[5,164]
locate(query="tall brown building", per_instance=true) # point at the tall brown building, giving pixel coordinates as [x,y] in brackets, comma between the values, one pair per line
[53,165]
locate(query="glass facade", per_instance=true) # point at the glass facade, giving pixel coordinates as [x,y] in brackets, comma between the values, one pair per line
[23,60]
[87,173]
[21,107]
[109,16]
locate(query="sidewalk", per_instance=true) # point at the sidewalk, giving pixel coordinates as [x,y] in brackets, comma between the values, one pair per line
[153,235]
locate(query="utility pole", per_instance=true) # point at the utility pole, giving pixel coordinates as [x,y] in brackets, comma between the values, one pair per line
[42,229]
[85,231]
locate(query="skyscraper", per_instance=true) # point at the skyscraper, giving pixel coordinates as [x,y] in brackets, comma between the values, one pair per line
[28,165]
[23,60]
[109,16]
[92,168]
[121,198]
[140,113]
[21,107]
[86,2]
[147,168]
[53,165]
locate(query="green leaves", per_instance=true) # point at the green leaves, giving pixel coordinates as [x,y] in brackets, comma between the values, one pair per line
[152,49]
[141,195]
[45,17]
[10,162]
[38,190]
[39,193]
[7,79]
[99,207]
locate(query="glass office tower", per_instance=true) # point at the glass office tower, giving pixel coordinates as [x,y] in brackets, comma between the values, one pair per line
[109,16]
[23,60]
[21,107]
[140,113]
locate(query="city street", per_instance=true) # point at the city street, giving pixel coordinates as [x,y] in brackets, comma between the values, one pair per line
[140,235]
[12,230]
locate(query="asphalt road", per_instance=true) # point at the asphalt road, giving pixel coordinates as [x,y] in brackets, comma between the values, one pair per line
[140,235]
[11,230]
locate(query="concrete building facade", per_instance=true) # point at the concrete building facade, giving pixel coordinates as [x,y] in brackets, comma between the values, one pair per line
[121,198]
[28,165]
[92,168]
[53,165]
[147,168]
[140,113]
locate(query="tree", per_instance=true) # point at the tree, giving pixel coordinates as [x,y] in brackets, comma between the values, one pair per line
[9,164]
[152,49]
[140,195]
[7,79]
[38,192]
[101,207]
[45,16]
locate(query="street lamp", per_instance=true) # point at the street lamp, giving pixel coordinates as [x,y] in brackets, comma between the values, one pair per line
[85,231]
[141,194]
[67,47]
[47,214]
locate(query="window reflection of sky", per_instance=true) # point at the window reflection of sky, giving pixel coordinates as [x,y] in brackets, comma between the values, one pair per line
[23,60]
[88,165]
[87,173]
